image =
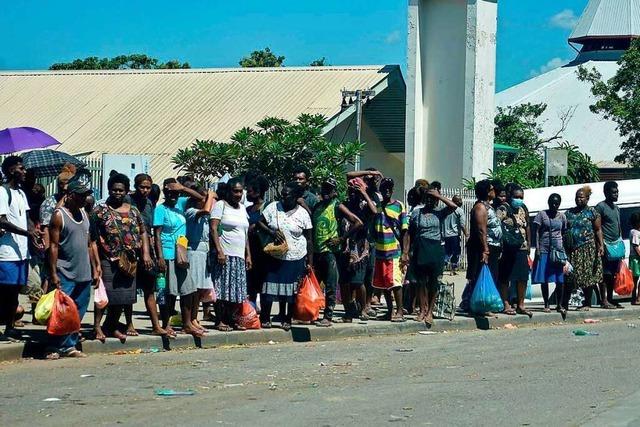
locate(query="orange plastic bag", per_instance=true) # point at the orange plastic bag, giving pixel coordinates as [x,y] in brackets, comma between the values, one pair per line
[246,316]
[624,280]
[310,299]
[65,318]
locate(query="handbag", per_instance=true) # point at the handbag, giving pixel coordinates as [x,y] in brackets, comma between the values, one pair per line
[615,251]
[128,263]
[276,250]
[182,258]
[556,256]
[512,238]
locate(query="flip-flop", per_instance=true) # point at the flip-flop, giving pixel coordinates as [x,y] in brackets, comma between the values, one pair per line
[52,356]
[525,312]
[509,312]
[74,353]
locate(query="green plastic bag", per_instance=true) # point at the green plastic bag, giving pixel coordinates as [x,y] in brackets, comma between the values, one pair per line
[44,306]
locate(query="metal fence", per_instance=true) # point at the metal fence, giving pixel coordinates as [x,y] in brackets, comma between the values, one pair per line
[468,199]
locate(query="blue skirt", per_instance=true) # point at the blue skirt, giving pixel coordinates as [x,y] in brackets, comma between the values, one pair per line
[546,272]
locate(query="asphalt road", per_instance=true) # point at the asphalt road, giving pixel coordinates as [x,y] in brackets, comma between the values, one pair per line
[543,376]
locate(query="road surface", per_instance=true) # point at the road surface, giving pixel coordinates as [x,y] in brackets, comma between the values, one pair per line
[543,376]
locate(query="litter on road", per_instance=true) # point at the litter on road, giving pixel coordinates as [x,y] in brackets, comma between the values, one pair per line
[168,392]
[583,333]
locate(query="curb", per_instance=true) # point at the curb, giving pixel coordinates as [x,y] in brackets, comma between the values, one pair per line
[309,333]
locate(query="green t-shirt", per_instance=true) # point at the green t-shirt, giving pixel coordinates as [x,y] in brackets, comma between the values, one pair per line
[325,225]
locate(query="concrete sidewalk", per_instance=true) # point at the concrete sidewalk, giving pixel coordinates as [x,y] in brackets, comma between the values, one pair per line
[35,336]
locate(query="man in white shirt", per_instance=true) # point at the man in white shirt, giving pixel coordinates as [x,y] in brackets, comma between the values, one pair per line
[16,231]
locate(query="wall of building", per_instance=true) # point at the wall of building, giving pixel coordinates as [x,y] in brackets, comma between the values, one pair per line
[375,154]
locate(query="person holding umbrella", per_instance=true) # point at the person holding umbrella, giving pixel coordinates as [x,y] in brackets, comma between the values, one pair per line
[14,252]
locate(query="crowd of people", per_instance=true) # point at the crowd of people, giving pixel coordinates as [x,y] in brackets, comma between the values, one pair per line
[219,249]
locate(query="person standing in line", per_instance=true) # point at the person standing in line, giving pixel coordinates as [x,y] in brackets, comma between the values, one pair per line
[71,260]
[122,242]
[634,255]
[328,243]
[285,221]
[301,176]
[353,262]
[198,215]
[551,225]
[485,237]
[612,238]
[14,242]
[454,230]
[584,246]
[371,177]
[146,280]
[422,250]
[390,225]
[169,225]
[257,187]
[229,229]
[514,263]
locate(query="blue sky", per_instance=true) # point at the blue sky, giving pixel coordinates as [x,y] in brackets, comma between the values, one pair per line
[217,33]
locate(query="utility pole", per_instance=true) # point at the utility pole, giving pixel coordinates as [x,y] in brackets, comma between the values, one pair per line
[361,96]
[546,167]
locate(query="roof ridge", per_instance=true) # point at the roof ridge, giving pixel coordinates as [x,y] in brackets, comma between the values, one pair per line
[197,70]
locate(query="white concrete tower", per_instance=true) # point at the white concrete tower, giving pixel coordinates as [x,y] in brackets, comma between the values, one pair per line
[450,90]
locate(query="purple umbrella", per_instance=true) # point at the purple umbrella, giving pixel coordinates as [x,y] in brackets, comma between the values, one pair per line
[20,139]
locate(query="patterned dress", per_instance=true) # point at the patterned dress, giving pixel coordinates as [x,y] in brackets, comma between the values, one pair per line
[583,256]
[117,232]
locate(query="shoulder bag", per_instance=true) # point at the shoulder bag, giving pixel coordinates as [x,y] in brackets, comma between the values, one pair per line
[276,250]
[556,256]
[512,238]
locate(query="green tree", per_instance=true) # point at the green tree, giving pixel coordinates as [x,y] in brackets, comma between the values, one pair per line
[322,62]
[134,61]
[262,58]
[273,148]
[618,99]
[519,127]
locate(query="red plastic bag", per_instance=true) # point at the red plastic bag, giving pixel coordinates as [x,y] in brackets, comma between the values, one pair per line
[624,280]
[65,318]
[246,316]
[310,299]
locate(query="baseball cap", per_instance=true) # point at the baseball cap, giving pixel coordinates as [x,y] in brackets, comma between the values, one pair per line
[77,186]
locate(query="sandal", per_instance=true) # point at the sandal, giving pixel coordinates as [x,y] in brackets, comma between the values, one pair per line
[286,326]
[398,319]
[509,312]
[364,317]
[74,353]
[266,325]
[607,306]
[52,356]
[546,310]
[525,312]
[239,328]
[224,328]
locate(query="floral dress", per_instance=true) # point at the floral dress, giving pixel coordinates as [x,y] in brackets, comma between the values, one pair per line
[582,253]
[116,232]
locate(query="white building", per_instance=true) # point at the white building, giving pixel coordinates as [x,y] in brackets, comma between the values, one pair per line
[601,36]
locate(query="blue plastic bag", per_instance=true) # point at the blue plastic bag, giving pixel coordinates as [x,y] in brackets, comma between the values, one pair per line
[485,296]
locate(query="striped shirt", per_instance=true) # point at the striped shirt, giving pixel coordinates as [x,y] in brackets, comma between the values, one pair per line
[389,224]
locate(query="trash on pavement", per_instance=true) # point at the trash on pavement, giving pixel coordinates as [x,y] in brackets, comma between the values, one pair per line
[87,376]
[631,325]
[51,399]
[510,326]
[169,392]
[404,350]
[591,321]
[583,333]
[233,385]
[427,333]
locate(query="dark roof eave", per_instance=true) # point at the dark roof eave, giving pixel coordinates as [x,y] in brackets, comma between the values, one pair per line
[583,39]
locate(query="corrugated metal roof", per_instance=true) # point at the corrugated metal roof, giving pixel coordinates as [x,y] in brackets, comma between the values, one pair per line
[156,112]
[561,90]
[613,18]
